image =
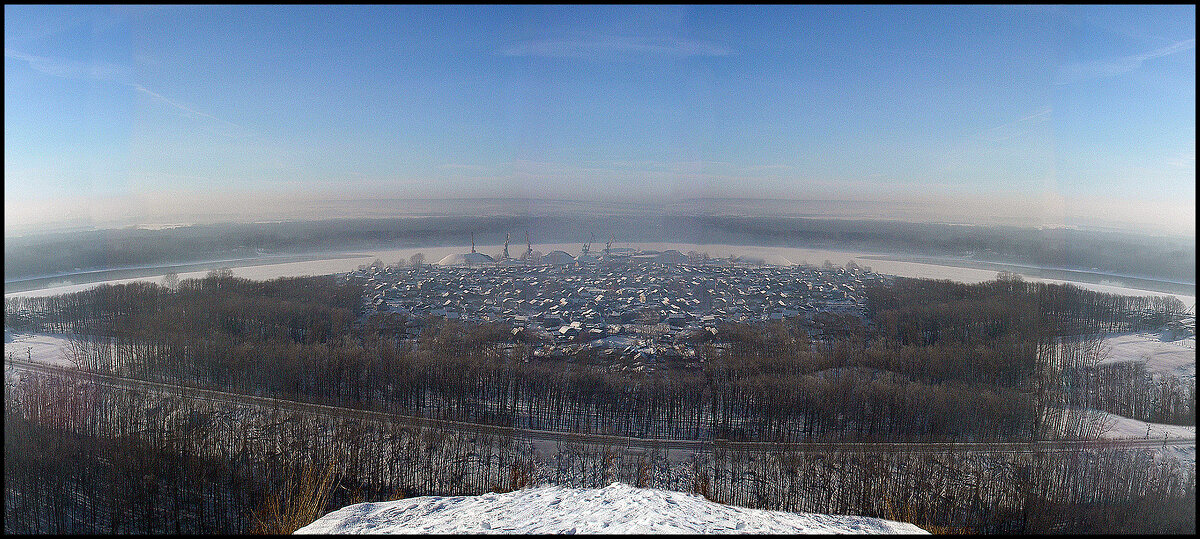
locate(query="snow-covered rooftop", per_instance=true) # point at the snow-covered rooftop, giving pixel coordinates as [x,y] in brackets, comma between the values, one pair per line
[615,509]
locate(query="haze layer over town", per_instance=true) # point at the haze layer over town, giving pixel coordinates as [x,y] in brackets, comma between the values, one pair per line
[925,267]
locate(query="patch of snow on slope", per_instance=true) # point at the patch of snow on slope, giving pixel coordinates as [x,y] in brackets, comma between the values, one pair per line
[615,509]
[1177,358]
[1121,427]
[1126,428]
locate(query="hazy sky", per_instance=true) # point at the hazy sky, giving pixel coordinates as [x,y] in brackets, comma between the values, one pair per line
[1076,110]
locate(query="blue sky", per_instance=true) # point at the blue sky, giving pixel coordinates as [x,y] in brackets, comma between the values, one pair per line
[1077,110]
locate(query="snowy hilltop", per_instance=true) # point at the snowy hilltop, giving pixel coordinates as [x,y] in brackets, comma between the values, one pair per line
[615,509]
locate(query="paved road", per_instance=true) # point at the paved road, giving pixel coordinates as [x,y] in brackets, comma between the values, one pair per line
[589,438]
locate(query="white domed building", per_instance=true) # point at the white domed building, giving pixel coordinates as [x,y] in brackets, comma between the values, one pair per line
[558,258]
[466,259]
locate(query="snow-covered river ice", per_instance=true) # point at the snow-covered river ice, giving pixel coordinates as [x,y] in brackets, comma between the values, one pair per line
[781,255]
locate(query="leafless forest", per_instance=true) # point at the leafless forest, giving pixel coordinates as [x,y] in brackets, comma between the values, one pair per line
[933,361]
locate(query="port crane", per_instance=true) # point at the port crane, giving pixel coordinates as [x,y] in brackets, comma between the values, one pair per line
[528,248]
[588,246]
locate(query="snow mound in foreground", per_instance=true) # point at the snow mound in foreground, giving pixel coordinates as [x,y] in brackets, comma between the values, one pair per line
[616,509]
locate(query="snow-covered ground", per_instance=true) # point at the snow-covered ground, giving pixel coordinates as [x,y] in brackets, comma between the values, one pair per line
[615,509]
[1120,427]
[41,348]
[1175,358]
[1124,427]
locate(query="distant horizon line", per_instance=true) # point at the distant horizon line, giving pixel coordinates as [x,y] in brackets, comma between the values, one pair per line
[154,225]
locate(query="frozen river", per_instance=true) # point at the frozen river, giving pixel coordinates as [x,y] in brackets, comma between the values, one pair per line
[779,254]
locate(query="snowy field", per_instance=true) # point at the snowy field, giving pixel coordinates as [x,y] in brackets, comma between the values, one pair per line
[615,509]
[41,348]
[1175,358]
[783,255]
[1125,428]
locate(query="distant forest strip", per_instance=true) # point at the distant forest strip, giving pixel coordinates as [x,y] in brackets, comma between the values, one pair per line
[36,283]
[1154,257]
